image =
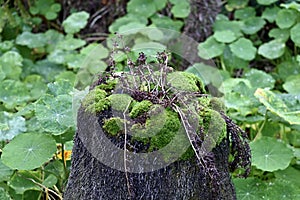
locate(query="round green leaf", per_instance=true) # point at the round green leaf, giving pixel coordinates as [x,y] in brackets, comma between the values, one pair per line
[55,113]
[11,89]
[236,4]
[249,189]
[269,154]
[10,125]
[55,7]
[243,48]
[295,34]
[210,48]
[280,34]
[21,182]
[181,10]
[144,8]
[51,15]
[75,22]
[287,68]
[5,172]
[28,151]
[225,36]
[260,79]
[31,40]
[232,61]
[70,43]
[244,13]
[36,85]
[286,18]
[273,49]
[266,2]
[253,25]
[222,25]
[270,14]
[114,27]
[11,63]
[292,84]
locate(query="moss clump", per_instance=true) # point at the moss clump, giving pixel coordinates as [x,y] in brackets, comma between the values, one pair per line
[113,126]
[217,104]
[140,108]
[213,124]
[120,102]
[110,84]
[187,82]
[95,101]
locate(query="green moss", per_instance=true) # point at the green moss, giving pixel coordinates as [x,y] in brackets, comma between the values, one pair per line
[139,108]
[109,85]
[214,125]
[217,104]
[120,102]
[184,81]
[96,101]
[114,125]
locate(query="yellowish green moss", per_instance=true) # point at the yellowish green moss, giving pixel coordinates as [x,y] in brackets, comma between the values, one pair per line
[109,85]
[114,125]
[139,108]
[184,81]
[96,101]
[120,102]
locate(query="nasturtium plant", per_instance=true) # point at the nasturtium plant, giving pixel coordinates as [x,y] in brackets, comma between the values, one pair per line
[10,125]
[210,48]
[243,48]
[5,172]
[75,22]
[286,18]
[270,155]
[28,151]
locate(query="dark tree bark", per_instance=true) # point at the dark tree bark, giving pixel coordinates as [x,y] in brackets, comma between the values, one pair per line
[91,179]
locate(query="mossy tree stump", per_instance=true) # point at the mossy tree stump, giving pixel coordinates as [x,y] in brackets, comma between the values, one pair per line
[150,134]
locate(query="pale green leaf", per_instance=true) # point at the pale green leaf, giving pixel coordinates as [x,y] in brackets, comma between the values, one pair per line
[210,48]
[244,13]
[273,49]
[270,14]
[181,10]
[144,8]
[253,25]
[266,2]
[243,48]
[260,79]
[280,34]
[28,151]
[5,172]
[75,22]
[292,84]
[225,36]
[10,125]
[295,34]
[269,154]
[286,18]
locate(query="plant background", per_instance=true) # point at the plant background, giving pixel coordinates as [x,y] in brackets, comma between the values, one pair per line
[255,45]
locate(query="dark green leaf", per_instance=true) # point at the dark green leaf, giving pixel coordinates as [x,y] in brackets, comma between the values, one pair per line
[249,189]
[210,48]
[22,181]
[260,79]
[266,2]
[270,14]
[244,13]
[232,61]
[280,34]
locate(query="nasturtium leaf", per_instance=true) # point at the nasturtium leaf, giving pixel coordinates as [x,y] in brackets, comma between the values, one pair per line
[236,4]
[229,84]
[144,8]
[286,18]
[55,7]
[295,34]
[11,63]
[282,189]
[280,34]
[249,189]
[243,48]
[260,78]
[10,125]
[70,43]
[244,13]
[291,5]
[291,174]
[114,27]
[95,51]
[50,181]
[253,25]
[153,33]
[160,4]
[60,87]
[52,38]
[273,49]
[210,48]
[222,25]
[5,172]
[266,2]
[270,14]
[31,40]
[288,68]
[55,167]
[294,138]
[233,62]
[10,89]
[226,36]
[21,182]
[269,154]
[28,151]
[277,106]
[292,84]
[55,113]
[181,10]
[75,22]
[2,74]
[36,86]
[149,48]
[4,195]
[166,22]
[6,45]
[131,28]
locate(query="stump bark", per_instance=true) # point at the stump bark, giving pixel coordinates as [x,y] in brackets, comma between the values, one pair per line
[91,179]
